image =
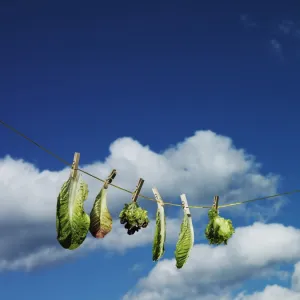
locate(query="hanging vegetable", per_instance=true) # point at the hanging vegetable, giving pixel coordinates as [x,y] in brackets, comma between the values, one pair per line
[218,230]
[72,223]
[132,215]
[186,237]
[101,220]
[158,248]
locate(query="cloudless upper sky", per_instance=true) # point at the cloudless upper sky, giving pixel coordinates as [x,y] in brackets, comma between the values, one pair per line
[76,75]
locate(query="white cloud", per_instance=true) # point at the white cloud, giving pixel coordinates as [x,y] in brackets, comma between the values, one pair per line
[296,278]
[271,292]
[213,271]
[276,292]
[117,241]
[201,166]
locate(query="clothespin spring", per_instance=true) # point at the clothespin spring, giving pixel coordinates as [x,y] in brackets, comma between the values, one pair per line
[75,165]
[137,191]
[157,196]
[216,203]
[110,178]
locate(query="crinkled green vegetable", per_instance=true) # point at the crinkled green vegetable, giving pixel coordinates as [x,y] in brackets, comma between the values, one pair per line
[158,248]
[134,217]
[72,223]
[101,220]
[185,241]
[218,230]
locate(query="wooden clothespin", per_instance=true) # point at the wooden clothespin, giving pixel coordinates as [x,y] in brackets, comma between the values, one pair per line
[137,191]
[110,178]
[75,163]
[185,205]
[157,196]
[216,202]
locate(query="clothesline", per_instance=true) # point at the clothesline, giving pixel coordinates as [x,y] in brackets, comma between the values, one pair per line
[128,191]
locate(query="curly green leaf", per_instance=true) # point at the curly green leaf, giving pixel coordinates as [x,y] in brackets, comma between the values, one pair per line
[219,230]
[133,217]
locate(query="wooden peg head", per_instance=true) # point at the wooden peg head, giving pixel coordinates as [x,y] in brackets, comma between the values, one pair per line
[185,204]
[157,196]
[137,190]
[216,202]
[75,165]
[110,178]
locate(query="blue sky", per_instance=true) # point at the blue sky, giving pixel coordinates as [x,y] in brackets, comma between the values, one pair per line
[79,76]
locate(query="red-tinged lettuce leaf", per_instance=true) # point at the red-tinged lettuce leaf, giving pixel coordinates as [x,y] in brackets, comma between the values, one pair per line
[101,220]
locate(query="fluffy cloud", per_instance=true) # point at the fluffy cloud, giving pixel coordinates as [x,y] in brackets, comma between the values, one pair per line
[273,292]
[276,292]
[213,271]
[201,166]
[296,278]
[117,240]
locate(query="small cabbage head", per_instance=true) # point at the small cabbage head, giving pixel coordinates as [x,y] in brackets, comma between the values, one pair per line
[133,217]
[219,230]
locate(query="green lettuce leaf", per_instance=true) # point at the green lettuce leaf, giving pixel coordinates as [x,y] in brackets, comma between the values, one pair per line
[72,223]
[185,241]
[101,220]
[158,248]
[218,230]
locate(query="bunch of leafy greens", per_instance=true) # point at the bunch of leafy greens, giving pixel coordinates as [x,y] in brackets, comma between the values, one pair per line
[72,223]
[218,230]
[134,217]
[158,248]
[101,220]
[185,241]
